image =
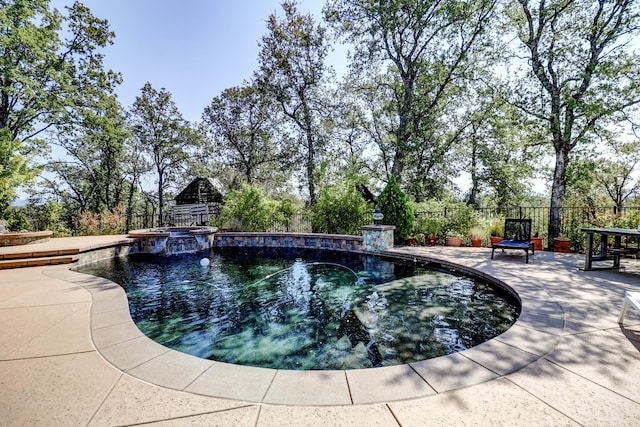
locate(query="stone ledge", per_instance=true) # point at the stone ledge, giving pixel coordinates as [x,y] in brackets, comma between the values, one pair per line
[27,238]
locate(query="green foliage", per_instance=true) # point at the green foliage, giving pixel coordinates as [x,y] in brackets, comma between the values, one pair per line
[162,134]
[340,209]
[292,71]
[397,209]
[431,220]
[14,169]
[460,219]
[581,78]
[430,225]
[249,210]
[17,220]
[428,49]
[94,177]
[45,81]
[496,227]
[243,124]
[48,216]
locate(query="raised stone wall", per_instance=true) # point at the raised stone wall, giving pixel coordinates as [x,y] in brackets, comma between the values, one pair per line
[26,238]
[335,242]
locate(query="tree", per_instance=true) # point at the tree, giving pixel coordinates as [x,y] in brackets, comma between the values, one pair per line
[614,172]
[249,210]
[582,75]
[430,48]
[93,170]
[292,70]
[14,169]
[499,152]
[341,209]
[358,131]
[43,78]
[397,209]
[163,135]
[243,125]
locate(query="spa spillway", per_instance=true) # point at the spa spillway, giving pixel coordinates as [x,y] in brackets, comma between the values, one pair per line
[174,240]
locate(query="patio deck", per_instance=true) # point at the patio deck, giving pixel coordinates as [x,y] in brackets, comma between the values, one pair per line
[68,357]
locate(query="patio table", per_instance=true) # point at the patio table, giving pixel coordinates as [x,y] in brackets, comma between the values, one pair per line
[605,252]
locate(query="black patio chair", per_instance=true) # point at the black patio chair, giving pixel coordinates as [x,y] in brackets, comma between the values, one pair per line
[517,235]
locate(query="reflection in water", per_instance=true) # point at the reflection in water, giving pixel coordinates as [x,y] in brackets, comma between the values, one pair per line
[303,312]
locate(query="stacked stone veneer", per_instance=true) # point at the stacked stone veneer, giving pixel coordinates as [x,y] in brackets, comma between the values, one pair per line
[121,249]
[377,238]
[25,238]
[174,240]
[335,242]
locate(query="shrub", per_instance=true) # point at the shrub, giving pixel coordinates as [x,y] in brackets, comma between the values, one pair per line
[461,220]
[48,216]
[17,220]
[106,222]
[397,209]
[88,224]
[496,227]
[340,209]
[248,210]
[113,222]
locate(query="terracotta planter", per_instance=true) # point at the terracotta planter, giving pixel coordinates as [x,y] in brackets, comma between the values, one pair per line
[411,241]
[537,243]
[495,239]
[561,244]
[476,243]
[454,241]
[431,240]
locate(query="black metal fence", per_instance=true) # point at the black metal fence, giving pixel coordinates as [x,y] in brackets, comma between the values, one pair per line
[572,219]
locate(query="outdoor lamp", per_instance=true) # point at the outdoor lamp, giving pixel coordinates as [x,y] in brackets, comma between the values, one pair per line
[377,217]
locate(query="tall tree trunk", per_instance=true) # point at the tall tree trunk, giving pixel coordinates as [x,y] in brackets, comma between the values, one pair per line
[404,128]
[557,194]
[160,200]
[472,199]
[311,170]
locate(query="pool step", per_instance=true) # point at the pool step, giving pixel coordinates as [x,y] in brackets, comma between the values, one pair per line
[38,258]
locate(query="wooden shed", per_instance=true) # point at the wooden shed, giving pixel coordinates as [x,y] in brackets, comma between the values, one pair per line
[198,202]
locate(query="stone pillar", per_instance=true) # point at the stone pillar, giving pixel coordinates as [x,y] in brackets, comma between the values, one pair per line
[377,238]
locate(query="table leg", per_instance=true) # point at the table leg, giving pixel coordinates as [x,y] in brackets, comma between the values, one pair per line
[588,253]
[616,256]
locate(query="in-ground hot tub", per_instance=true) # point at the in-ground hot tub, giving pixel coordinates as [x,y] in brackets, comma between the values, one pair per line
[174,240]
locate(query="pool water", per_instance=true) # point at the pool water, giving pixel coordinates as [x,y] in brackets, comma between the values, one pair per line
[306,310]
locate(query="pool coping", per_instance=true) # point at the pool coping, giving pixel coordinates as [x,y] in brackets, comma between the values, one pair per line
[536,333]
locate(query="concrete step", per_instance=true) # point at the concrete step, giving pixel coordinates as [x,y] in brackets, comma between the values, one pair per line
[37,261]
[33,252]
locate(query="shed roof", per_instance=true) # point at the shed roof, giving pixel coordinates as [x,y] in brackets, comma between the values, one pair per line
[201,190]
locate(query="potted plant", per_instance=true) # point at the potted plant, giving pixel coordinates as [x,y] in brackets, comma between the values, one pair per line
[537,242]
[411,240]
[496,231]
[454,238]
[420,239]
[561,244]
[477,235]
[431,240]
[432,228]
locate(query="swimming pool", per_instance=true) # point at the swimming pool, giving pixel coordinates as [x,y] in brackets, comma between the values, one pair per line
[298,309]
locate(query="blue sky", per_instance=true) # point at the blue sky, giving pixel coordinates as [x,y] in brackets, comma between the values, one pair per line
[193,48]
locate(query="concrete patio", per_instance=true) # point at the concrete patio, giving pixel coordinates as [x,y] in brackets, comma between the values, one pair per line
[70,355]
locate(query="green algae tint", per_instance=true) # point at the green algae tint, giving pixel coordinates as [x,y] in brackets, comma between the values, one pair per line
[307,310]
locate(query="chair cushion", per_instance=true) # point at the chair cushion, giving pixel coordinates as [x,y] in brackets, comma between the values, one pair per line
[516,244]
